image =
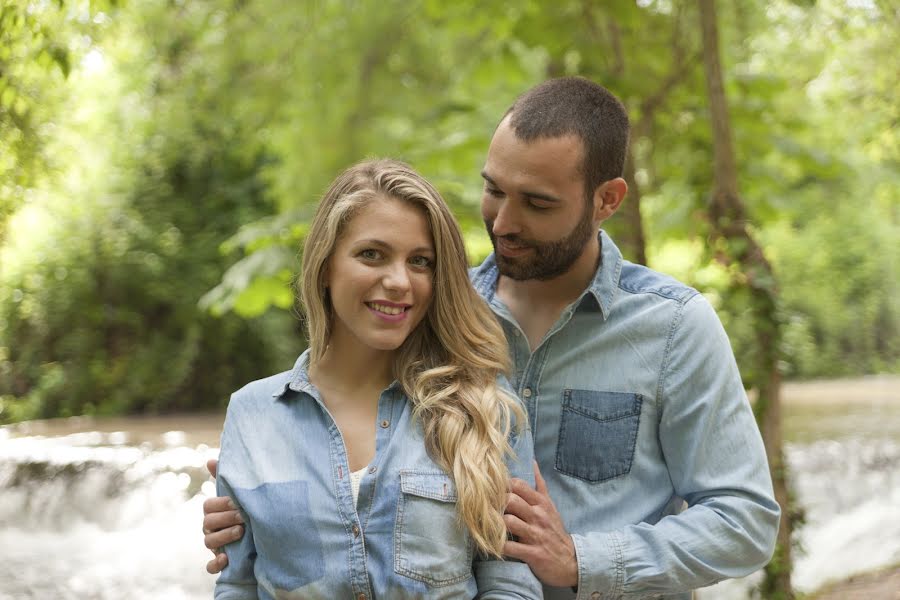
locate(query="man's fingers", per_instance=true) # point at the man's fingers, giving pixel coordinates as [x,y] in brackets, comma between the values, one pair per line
[523,489]
[212,465]
[517,550]
[540,484]
[517,527]
[217,539]
[516,505]
[218,504]
[217,564]
[213,522]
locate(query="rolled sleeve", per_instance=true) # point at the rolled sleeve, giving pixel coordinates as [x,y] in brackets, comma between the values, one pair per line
[600,565]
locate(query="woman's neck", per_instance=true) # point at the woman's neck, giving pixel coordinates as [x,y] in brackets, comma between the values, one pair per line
[349,366]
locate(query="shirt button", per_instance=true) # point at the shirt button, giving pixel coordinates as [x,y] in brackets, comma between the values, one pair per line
[385,424]
[373,469]
[355,530]
[361,597]
[596,596]
[527,392]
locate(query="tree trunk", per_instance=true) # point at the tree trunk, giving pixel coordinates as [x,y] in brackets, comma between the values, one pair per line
[735,244]
[633,244]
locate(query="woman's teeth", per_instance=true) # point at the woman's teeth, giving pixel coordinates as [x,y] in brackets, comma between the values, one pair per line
[388,310]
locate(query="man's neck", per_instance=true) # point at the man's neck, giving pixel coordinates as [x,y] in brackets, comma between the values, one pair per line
[559,291]
[536,304]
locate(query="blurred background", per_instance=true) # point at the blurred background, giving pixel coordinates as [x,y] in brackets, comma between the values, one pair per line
[159,163]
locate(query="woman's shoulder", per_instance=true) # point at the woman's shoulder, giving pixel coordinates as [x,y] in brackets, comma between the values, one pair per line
[266,388]
[264,391]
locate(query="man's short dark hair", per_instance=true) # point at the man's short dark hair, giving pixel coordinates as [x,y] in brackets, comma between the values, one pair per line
[574,105]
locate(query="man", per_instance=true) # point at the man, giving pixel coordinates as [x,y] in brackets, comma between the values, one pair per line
[634,398]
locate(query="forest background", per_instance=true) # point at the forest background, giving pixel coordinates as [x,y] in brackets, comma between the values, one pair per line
[160,162]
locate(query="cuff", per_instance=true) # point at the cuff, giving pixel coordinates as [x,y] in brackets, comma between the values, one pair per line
[601,567]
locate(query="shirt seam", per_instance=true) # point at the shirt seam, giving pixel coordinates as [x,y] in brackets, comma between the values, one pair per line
[667,355]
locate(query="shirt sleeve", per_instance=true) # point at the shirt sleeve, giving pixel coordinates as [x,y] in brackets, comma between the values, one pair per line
[511,579]
[717,463]
[237,580]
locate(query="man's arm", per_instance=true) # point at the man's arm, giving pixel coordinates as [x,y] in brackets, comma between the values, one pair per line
[717,464]
[222,524]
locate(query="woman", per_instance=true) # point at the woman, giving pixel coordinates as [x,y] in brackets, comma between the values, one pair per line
[378,466]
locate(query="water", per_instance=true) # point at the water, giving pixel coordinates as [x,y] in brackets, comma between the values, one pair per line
[101,510]
[111,509]
[843,452]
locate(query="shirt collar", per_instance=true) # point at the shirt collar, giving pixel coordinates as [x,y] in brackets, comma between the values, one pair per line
[602,288]
[298,379]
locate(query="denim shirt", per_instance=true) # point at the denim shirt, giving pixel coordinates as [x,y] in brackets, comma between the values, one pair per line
[637,408]
[284,463]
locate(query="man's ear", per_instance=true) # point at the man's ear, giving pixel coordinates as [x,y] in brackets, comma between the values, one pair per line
[607,198]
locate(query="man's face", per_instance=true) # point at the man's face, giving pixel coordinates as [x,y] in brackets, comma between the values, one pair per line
[534,206]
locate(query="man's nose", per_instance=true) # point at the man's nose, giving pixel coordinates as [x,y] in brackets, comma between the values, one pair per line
[506,221]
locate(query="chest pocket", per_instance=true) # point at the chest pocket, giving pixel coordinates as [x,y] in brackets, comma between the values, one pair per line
[430,543]
[597,434]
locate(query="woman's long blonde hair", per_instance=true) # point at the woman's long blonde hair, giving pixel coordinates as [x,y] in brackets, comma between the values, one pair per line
[448,366]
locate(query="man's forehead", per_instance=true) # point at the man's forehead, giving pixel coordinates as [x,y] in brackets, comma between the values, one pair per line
[555,158]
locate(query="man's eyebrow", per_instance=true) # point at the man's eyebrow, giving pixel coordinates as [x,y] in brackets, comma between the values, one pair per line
[531,195]
[541,196]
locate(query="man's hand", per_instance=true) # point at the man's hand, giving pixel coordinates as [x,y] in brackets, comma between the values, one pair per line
[543,542]
[221,525]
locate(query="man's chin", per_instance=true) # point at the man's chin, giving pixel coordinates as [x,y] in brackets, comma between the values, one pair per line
[513,270]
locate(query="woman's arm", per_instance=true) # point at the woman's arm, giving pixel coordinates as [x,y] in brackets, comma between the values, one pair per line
[237,581]
[510,579]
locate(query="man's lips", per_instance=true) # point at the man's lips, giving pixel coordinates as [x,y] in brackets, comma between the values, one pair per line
[511,249]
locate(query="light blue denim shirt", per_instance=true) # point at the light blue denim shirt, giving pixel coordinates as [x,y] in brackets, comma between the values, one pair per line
[636,408]
[284,463]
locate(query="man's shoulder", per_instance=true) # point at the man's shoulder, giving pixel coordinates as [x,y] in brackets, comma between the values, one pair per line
[638,279]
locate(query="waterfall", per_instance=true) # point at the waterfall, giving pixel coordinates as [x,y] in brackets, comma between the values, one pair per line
[94,516]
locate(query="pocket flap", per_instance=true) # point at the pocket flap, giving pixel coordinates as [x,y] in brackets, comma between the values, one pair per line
[433,485]
[603,406]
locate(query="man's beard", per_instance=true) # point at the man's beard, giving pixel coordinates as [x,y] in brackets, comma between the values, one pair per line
[548,259]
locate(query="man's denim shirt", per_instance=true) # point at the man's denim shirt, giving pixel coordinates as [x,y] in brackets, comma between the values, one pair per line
[636,408]
[284,463]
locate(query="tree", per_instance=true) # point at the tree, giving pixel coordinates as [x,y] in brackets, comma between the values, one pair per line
[754,276]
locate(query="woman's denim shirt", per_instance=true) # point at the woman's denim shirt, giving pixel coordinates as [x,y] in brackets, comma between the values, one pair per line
[284,464]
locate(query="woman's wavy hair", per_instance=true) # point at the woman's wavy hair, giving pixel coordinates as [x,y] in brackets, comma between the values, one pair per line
[448,366]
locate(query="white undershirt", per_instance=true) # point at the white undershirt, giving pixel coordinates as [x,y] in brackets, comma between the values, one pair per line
[355,478]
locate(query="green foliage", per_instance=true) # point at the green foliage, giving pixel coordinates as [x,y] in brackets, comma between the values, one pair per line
[159,164]
[99,309]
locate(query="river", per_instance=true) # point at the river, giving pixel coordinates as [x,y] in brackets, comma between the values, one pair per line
[103,509]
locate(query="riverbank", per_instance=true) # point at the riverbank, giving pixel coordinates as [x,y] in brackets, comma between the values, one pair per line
[883,584]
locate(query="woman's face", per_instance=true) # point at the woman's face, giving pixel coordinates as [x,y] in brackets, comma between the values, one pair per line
[380,275]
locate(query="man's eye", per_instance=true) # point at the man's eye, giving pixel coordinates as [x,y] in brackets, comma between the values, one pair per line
[493,192]
[537,206]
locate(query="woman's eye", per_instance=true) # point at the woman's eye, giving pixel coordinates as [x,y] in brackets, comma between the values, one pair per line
[370,254]
[421,261]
